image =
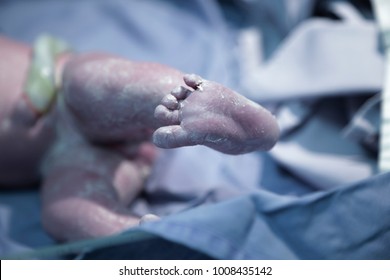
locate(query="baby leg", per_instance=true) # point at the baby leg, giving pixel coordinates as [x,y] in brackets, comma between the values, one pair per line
[113,99]
[87,198]
[207,113]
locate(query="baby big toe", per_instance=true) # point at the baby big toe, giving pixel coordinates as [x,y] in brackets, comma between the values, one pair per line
[166,116]
[193,80]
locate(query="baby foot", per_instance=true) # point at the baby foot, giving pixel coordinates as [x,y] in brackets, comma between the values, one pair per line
[207,113]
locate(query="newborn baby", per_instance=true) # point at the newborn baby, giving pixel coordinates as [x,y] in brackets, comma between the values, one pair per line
[109,113]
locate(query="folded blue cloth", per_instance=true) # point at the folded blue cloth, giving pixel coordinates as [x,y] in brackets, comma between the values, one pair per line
[346,223]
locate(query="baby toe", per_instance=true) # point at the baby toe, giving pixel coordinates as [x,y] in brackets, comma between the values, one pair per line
[166,116]
[170,102]
[180,92]
[173,136]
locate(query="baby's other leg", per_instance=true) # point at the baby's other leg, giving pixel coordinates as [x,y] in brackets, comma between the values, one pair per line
[207,113]
[112,98]
[80,201]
